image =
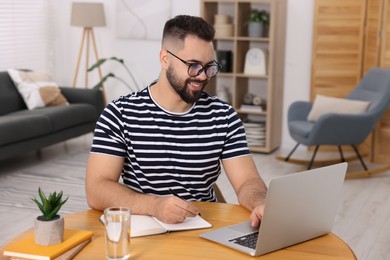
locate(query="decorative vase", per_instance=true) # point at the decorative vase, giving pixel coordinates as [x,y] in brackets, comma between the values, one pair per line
[49,232]
[255,29]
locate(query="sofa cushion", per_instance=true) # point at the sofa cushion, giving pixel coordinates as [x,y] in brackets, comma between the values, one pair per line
[10,99]
[20,127]
[37,89]
[62,117]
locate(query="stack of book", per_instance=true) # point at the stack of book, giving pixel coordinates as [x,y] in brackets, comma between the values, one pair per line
[252,108]
[74,241]
[255,133]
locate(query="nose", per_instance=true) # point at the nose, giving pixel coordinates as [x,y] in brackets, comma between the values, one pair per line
[202,74]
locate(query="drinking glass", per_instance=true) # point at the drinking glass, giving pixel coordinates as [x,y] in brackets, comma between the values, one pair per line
[117,224]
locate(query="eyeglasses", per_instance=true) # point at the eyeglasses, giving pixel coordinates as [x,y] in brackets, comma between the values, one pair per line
[195,69]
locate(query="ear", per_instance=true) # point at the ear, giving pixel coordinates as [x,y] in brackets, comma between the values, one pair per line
[164,59]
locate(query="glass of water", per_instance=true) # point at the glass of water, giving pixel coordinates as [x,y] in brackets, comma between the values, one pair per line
[117,224]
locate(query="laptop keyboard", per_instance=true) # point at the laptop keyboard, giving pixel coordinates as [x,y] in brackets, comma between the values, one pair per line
[249,240]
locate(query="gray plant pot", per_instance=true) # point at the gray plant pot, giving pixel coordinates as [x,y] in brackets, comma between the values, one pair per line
[255,29]
[50,232]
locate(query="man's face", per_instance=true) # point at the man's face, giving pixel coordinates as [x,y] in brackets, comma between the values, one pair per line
[195,51]
[189,89]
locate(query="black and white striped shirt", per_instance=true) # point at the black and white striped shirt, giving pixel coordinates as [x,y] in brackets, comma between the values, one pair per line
[165,150]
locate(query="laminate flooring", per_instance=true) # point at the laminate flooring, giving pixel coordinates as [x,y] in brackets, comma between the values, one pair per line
[363,218]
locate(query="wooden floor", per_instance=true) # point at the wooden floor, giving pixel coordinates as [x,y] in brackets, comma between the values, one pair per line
[363,219]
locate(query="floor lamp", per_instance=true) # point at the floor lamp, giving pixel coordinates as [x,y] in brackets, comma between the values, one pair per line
[87,15]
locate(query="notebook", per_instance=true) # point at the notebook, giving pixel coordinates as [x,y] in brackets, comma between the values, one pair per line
[298,207]
[142,225]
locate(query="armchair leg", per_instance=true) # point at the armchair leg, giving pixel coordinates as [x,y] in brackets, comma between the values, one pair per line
[341,153]
[360,157]
[292,151]
[312,158]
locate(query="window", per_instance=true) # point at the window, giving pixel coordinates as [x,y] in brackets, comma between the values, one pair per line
[26,33]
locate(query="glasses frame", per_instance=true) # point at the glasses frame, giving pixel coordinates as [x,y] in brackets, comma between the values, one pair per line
[203,69]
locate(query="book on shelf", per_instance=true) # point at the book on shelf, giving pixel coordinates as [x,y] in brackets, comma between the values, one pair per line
[252,108]
[256,143]
[255,137]
[74,241]
[257,119]
[255,133]
[142,225]
[254,128]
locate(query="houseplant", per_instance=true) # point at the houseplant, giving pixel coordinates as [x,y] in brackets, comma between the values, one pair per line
[49,227]
[258,23]
[100,62]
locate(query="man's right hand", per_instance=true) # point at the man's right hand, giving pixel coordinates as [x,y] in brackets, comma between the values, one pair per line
[174,210]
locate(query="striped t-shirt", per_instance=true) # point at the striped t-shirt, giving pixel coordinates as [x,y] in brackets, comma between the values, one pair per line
[165,150]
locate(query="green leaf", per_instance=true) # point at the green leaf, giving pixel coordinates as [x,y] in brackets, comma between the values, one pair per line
[41,195]
[100,84]
[46,207]
[58,198]
[54,212]
[97,64]
[40,206]
[118,60]
[51,197]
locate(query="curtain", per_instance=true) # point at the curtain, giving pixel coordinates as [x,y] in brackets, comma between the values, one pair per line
[26,35]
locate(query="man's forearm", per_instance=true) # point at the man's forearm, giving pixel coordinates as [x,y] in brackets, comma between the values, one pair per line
[252,193]
[169,209]
[108,193]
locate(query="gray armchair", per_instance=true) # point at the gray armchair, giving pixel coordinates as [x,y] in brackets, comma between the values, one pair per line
[342,129]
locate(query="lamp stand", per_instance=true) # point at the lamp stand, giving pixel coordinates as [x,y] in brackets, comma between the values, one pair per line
[88,35]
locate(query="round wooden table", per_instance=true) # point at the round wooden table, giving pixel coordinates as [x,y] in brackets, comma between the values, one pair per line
[188,245]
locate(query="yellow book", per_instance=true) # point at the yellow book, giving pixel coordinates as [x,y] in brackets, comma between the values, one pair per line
[27,248]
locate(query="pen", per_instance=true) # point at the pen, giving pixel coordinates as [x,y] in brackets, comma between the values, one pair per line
[174,193]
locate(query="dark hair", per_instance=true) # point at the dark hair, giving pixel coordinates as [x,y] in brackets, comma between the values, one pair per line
[182,25]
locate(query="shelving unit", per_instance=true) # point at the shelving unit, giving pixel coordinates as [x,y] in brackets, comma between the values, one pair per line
[269,86]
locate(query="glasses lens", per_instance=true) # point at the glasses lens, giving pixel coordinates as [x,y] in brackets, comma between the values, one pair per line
[212,70]
[194,69]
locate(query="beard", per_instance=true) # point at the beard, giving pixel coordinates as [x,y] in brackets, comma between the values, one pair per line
[187,95]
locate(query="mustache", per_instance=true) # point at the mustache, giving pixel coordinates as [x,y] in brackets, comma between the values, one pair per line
[203,82]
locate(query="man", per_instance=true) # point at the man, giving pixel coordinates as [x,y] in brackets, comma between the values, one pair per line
[171,137]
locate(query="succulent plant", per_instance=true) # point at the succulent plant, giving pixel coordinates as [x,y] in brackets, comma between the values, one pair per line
[49,206]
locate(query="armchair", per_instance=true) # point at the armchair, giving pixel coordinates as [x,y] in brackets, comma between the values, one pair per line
[342,129]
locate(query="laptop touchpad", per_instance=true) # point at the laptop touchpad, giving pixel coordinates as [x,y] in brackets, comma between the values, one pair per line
[244,227]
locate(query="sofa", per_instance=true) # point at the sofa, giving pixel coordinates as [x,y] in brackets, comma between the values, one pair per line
[23,130]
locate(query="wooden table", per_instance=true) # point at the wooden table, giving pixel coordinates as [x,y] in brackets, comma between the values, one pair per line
[188,245]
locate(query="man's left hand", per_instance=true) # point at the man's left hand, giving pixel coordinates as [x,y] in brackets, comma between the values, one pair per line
[256,216]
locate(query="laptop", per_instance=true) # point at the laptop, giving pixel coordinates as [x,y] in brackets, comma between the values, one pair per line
[298,207]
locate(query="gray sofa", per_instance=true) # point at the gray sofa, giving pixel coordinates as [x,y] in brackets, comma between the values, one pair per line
[23,130]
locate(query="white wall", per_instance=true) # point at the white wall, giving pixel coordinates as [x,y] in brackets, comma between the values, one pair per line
[142,56]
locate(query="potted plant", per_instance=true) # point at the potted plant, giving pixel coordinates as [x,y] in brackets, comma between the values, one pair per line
[49,227]
[258,23]
[100,62]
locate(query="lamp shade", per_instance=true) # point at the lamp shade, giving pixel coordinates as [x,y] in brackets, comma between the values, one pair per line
[88,15]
